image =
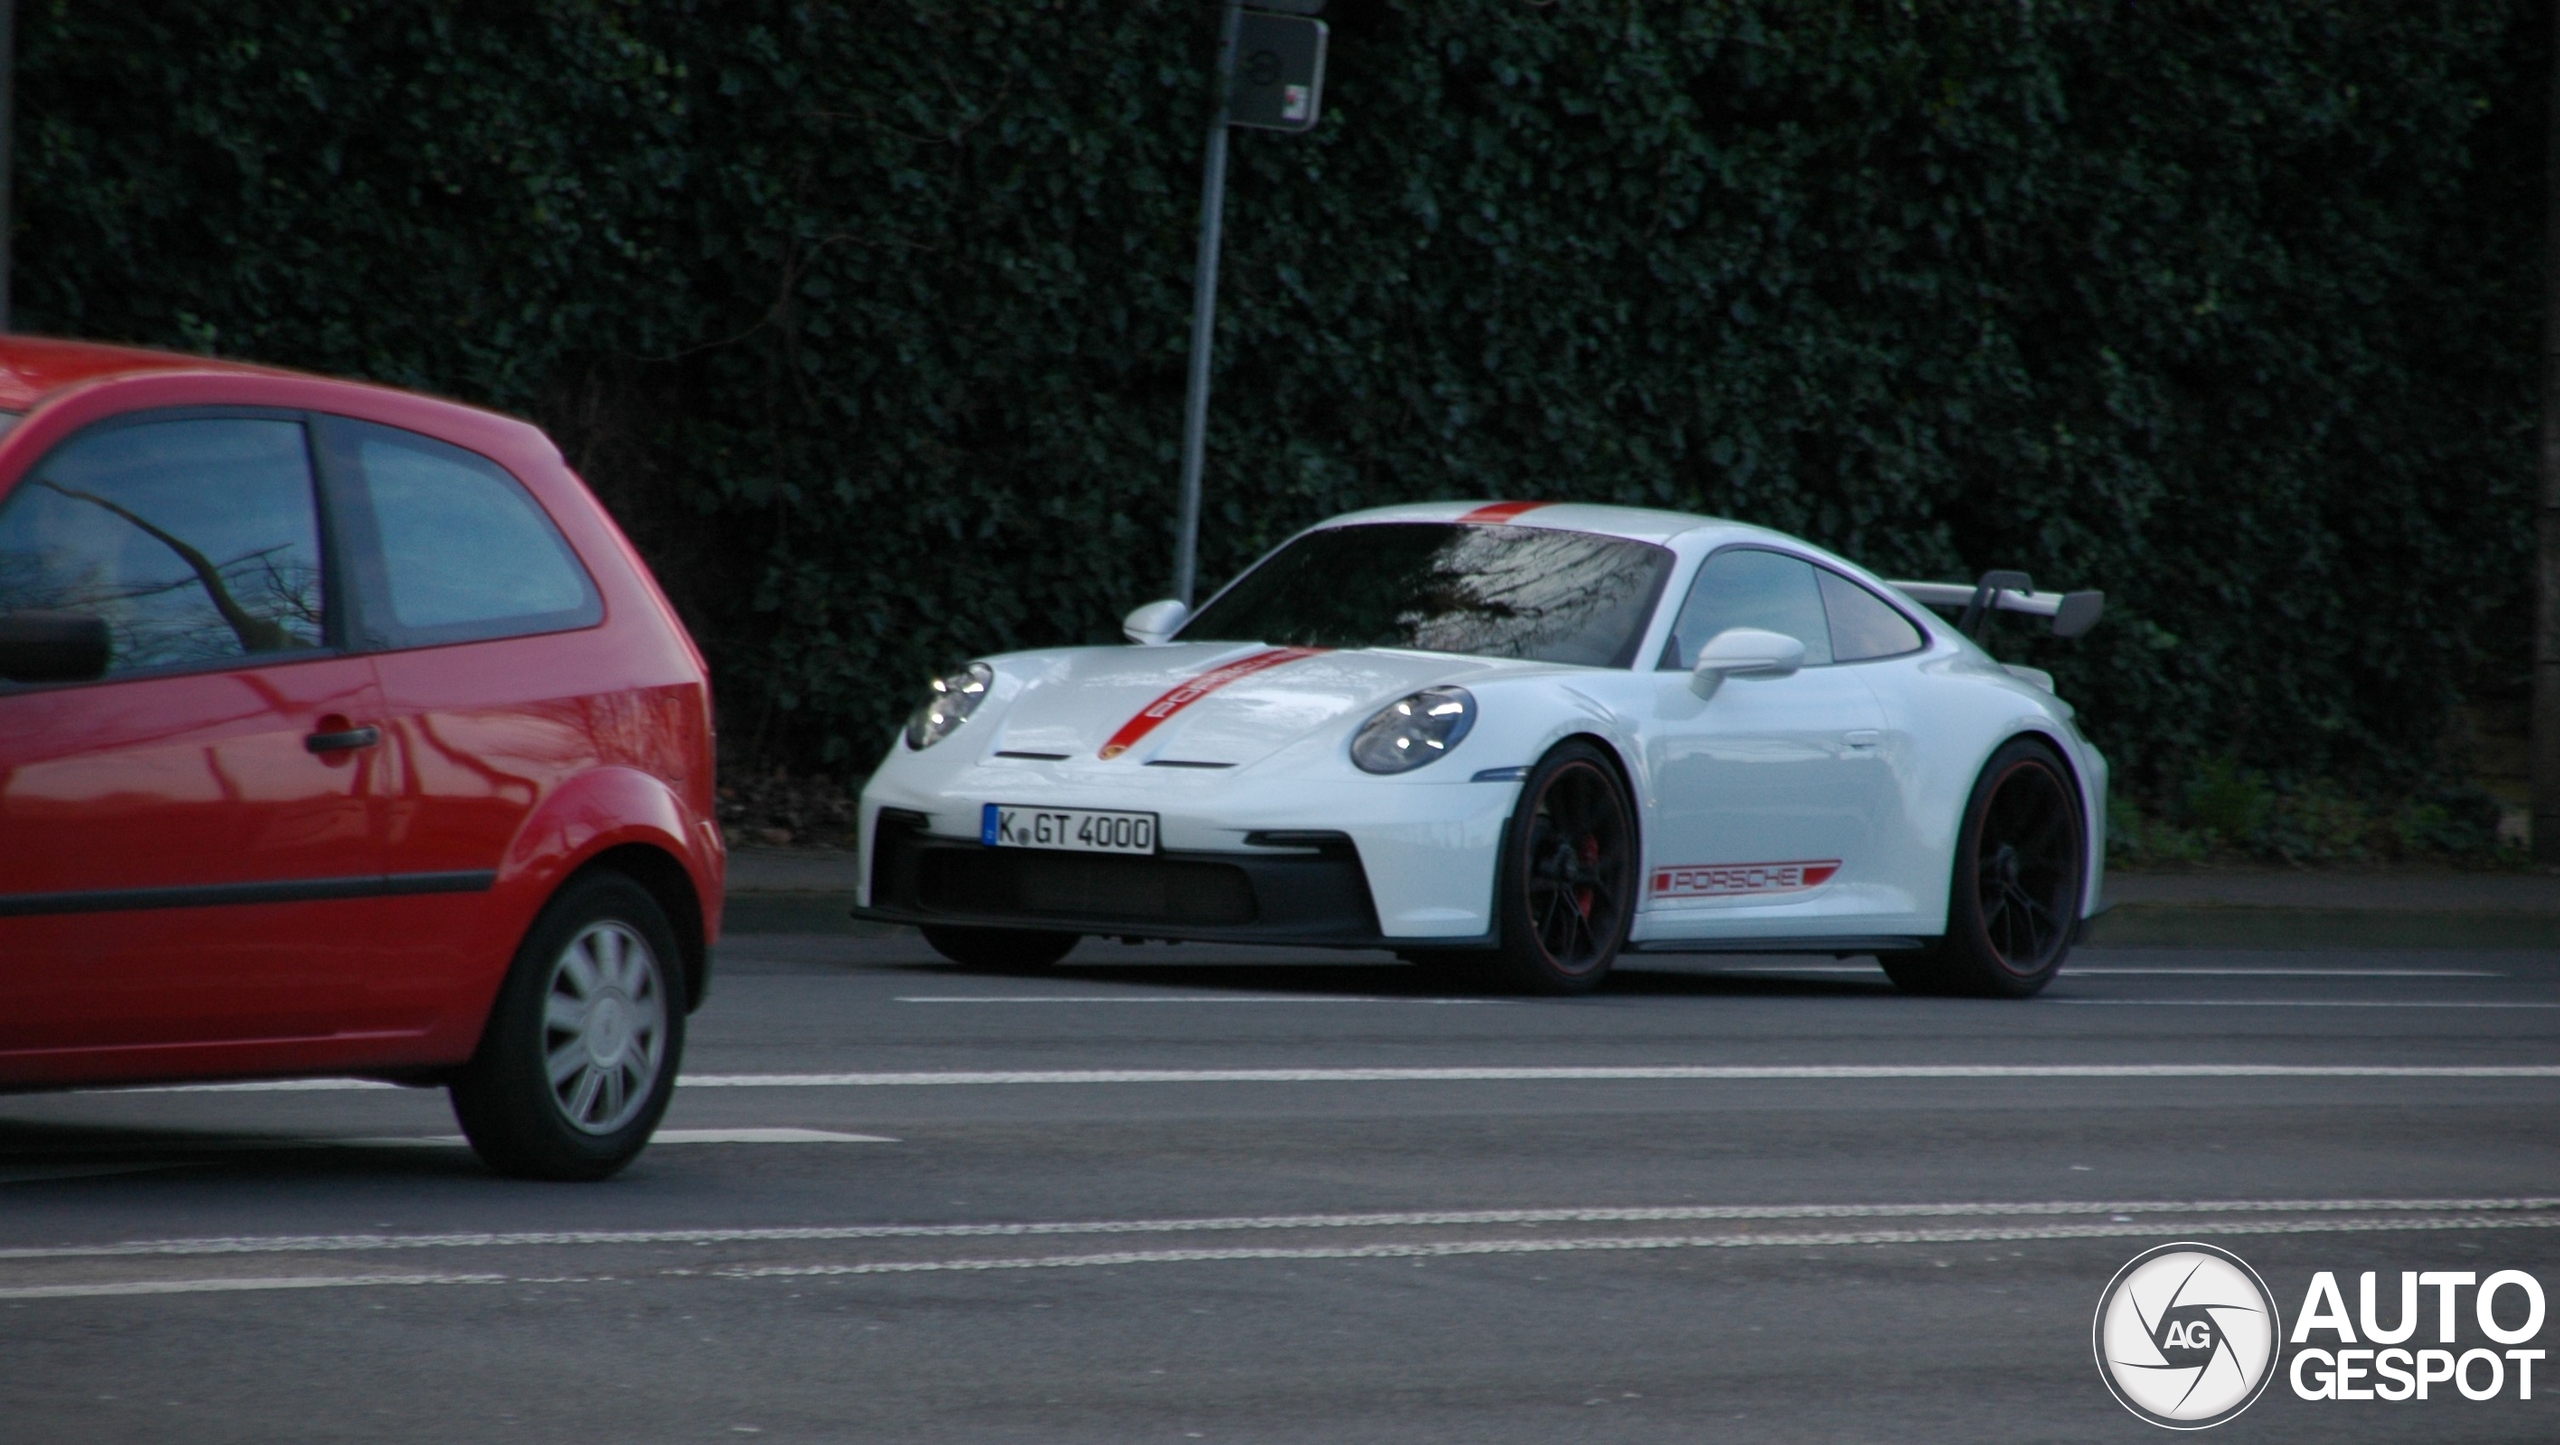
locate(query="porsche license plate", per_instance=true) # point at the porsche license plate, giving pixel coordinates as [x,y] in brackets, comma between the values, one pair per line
[1071,830]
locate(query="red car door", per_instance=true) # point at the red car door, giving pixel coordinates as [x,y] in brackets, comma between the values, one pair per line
[495,693]
[190,847]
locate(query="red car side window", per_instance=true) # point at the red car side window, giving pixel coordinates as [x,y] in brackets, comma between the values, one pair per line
[451,546]
[197,539]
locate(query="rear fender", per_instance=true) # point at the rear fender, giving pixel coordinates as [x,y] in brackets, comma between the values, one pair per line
[595,814]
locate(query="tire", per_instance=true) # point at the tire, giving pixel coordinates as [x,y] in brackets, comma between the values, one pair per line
[999,948]
[2014,894]
[595,987]
[1567,889]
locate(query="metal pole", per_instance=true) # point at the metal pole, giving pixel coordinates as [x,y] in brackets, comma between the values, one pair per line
[8,105]
[1204,312]
[2546,631]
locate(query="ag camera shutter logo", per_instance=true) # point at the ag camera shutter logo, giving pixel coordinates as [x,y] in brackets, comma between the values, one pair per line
[2187,1335]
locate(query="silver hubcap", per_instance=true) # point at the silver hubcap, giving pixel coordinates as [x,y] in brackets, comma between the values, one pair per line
[604,1027]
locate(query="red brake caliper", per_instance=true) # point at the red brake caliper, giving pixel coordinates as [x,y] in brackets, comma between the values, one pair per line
[1590,854]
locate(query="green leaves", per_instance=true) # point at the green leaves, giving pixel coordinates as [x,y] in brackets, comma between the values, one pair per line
[869,319]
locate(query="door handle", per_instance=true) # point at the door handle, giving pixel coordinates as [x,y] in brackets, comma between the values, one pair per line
[341,741]
[1862,738]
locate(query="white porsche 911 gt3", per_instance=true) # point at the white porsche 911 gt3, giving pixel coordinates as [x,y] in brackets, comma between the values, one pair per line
[1516,738]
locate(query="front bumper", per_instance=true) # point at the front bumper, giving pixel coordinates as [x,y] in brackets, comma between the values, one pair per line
[1311,890]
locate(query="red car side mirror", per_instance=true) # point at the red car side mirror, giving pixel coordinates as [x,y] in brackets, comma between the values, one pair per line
[53,646]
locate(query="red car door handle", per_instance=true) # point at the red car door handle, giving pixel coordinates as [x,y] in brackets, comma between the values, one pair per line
[338,742]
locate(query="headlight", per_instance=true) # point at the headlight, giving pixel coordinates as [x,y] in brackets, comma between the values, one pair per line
[1413,730]
[953,699]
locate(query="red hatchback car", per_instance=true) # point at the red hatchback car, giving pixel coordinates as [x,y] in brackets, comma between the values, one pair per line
[341,732]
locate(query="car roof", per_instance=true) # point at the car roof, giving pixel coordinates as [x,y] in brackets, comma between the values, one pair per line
[33,366]
[1636,524]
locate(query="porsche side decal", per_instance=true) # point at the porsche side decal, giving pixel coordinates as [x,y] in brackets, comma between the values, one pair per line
[1196,689]
[1724,880]
[1501,511]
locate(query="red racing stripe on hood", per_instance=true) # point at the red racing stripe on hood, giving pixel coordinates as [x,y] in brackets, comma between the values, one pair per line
[1196,689]
[1501,511]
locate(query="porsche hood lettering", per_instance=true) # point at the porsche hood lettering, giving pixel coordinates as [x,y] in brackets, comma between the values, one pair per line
[1197,688]
[1725,880]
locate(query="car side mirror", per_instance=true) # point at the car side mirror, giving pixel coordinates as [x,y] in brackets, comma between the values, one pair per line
[1744,652]
[1150,625]
[53,646]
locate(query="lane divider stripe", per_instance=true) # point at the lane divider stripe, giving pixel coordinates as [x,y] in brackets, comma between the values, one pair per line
[1459,1248]
[2304,1003]
[1705,1073]
[1446,1249]
[1409,1219]
[1534,1074]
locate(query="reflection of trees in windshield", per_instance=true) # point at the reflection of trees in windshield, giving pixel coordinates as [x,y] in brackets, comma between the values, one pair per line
[1496,591]
[195,540]
[288,589]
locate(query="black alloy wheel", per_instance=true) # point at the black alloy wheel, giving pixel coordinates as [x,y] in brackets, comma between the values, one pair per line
[999,948]
[1568,881]
[2014,900]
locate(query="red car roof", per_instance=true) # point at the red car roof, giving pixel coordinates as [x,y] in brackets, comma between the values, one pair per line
[31,366]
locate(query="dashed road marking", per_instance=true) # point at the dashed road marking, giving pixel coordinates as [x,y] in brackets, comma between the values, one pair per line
[663,1136]
[2118,1227]
[1400,1219]
[236,1286]
[1438,1249]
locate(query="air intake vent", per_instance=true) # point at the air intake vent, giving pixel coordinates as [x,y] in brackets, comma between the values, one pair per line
[1050,885]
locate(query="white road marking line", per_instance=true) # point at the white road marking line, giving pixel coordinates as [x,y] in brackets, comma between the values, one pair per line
[1456,1248]
[1605,1073]
[2286,972]
[1533,1074]
[2307,1003]
[764,1136]
[2104,972]
[1175,998]
[1409,1219]
[47,1173]
[663,1136]
[252,1086]
[233,1286]
[1439,1249]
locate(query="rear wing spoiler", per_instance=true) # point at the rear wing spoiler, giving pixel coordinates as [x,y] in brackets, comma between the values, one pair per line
[2073,613]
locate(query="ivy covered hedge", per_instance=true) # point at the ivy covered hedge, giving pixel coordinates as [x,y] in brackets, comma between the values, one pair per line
[868,318]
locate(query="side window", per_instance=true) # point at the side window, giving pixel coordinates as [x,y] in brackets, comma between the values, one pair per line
[198,540]
[1746,587]
[1863,625]
[460,549]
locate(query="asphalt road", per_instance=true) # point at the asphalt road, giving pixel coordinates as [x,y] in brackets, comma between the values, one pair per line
[1162,1194]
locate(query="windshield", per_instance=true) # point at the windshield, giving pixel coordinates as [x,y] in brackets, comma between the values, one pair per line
[1498,591]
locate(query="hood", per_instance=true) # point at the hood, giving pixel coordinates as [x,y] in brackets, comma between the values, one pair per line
[1211,704]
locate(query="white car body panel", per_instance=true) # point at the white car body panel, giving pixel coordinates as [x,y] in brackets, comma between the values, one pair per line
[1864,764]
